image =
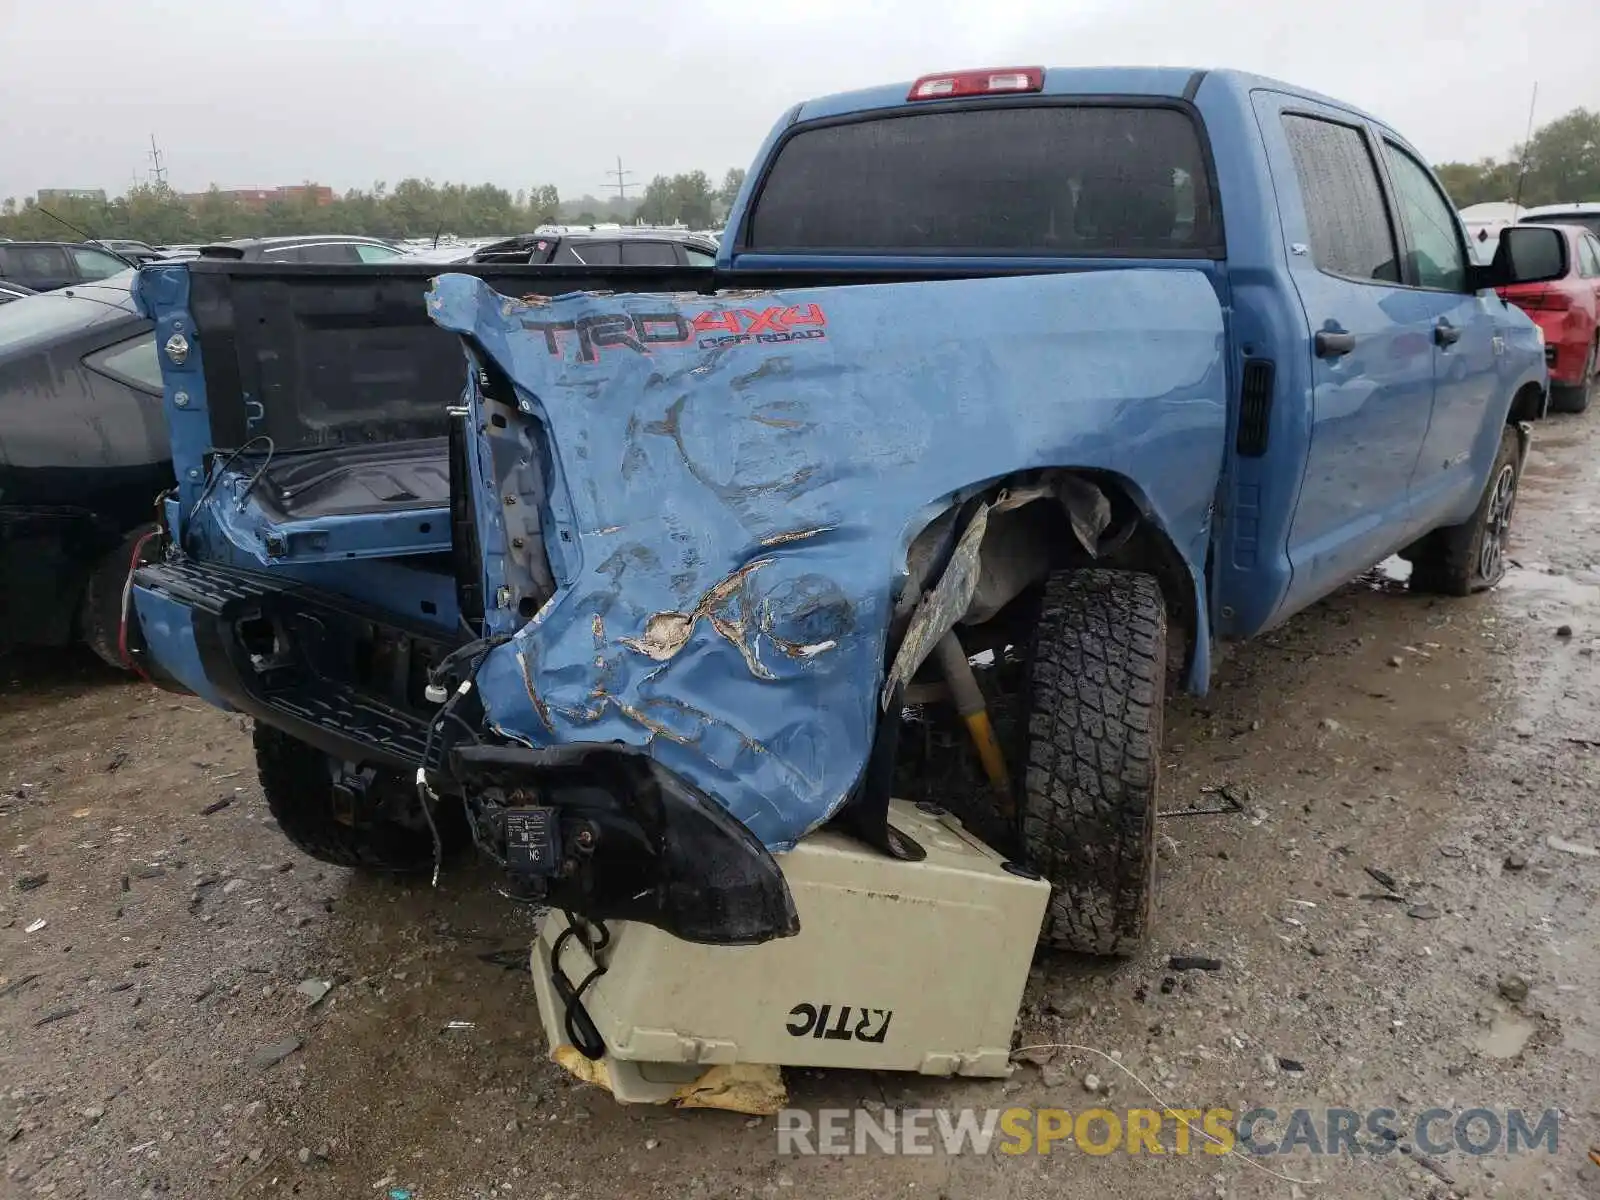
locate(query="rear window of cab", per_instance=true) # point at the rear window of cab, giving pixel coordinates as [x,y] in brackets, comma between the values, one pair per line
[991,179]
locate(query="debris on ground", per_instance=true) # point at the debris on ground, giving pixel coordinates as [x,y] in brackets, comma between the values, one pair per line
[1566,847]
[1514,988]
[314,990]
[273,1054]
[1382,877]
[1192,962]
[17,984]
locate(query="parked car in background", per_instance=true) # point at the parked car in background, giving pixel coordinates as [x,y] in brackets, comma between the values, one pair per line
[83,457]
[625,246]
[1484,223]
[1567,309]
[14,291]
[45,266]
[306,248]
[1586,215]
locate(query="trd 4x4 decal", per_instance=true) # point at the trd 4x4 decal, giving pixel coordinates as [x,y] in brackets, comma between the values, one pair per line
[710,330]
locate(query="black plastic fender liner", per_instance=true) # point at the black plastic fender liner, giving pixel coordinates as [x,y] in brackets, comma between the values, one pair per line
[663,853]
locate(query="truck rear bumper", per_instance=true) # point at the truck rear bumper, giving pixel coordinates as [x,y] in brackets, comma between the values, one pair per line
[640,843]
[317,666]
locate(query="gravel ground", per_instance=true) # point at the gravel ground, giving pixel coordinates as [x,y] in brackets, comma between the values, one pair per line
[155,930]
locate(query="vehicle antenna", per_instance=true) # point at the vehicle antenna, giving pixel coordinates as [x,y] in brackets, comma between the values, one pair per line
[1522,168]
[86,237]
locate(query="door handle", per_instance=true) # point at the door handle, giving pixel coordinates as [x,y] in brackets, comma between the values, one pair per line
[1446,334]
[1333,343]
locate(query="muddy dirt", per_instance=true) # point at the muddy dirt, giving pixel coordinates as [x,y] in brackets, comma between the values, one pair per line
[154,1040]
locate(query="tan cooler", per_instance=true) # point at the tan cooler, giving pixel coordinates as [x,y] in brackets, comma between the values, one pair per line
[899,966]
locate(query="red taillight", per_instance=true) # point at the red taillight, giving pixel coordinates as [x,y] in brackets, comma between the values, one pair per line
[994,82]
[1535,298]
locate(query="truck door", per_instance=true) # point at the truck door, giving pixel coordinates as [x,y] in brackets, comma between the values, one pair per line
[1370,342]
[1462,328]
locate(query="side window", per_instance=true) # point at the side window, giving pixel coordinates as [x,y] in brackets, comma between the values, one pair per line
[373,253]
[97,264]
[649,254]
[329,252]
[699,258]
[1436,253]
[132,362]
[37,266]
[1351,234]
[281,254]
[588,254]
[1589,257]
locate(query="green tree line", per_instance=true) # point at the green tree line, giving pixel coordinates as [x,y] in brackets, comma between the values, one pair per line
[413,208]
[1560,164]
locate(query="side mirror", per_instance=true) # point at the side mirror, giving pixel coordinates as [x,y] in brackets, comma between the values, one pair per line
[1527,254]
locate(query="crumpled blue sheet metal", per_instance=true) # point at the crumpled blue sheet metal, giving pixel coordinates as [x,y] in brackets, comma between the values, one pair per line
[733,482]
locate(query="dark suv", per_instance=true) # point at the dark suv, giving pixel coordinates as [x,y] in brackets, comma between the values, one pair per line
[45,266]
[603,248]
[307,248]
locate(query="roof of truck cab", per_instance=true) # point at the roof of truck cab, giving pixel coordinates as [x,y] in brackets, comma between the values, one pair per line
[1082,81]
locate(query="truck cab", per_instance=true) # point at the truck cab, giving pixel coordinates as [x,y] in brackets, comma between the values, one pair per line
[639,573]
[1372,373]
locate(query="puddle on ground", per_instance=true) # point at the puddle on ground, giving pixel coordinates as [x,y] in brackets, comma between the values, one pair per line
[1393,574]
[1505,1036]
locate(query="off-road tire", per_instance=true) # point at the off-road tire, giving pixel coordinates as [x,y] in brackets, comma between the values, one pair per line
[1457,560]
[100,607]
[299,789]
[1094,694]
[1576,399]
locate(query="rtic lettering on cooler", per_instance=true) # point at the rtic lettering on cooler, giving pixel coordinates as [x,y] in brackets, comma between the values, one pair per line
[871,1025]
[639,331]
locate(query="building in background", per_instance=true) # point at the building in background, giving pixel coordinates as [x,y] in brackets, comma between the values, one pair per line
[61,195]
[257,199]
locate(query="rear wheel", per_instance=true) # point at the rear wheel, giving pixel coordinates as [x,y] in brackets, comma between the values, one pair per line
[1576,399]
[1095,691]
[298,782]
[1470,557]
[100,613]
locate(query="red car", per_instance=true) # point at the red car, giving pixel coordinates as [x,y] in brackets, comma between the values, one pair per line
[1568,310]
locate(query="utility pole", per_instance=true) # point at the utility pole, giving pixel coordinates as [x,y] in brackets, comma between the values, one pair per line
[621,178]
[158,173]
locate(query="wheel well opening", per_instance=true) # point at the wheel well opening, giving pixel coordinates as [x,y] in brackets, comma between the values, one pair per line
[1045,521]
[1527,404]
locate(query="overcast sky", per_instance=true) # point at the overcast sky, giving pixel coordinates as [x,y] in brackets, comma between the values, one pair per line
[519,92]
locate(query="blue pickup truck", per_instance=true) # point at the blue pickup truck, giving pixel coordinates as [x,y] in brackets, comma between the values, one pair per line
[633,576]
